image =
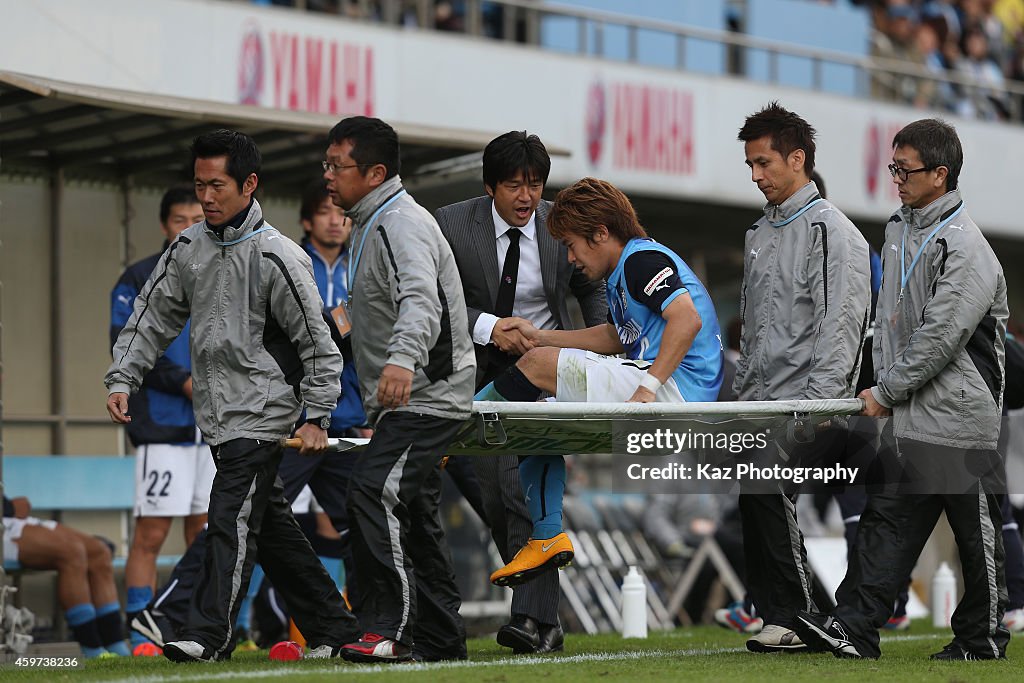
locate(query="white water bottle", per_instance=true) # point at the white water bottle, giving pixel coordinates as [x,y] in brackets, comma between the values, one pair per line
[943,596]
[634,605]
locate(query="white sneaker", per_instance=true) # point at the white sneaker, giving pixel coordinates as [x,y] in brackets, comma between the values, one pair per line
[1014,620]
[186,651]
[774,638]
[323,652]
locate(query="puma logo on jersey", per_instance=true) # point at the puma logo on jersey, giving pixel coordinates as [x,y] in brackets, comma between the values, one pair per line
[273,237]
[893,247]
[662,277]
[754,252]
[957,227]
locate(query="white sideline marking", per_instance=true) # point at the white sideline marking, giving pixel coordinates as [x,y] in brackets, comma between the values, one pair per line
[204,674]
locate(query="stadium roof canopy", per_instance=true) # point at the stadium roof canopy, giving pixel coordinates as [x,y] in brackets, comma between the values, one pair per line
[105,134]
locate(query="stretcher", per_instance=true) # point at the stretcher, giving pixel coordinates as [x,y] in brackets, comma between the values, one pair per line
[547,427]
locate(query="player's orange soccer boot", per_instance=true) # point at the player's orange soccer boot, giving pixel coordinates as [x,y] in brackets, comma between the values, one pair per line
[536,557]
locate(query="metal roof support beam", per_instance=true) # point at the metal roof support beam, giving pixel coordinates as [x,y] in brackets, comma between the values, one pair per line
[148,142]
[16,97]
[47,140]
[58,403]
[52,116]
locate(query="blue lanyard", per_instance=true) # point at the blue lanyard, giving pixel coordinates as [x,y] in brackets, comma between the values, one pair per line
[353,264]
[904,271]
[795,215]
[242,238]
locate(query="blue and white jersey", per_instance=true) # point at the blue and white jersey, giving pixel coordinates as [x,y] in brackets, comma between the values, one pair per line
[331,282]
[330,278]
[647,278]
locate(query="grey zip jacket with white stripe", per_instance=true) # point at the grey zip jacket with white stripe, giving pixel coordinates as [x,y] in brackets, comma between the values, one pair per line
[406,306]
[804,303]
[939,348]
[261,349]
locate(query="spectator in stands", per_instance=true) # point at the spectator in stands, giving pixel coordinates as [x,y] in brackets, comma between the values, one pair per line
[808,348]
[481,233]
[412,350]
[937,94]
[986,98]
[173,467]
[85,575]
[1010,14]
[939,350]
[893,40]
[259,346]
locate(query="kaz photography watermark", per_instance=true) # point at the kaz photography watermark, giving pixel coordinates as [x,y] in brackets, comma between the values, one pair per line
[741,456]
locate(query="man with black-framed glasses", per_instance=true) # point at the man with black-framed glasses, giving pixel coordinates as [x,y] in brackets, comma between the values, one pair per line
[415,362]
[897,171]
[940,326]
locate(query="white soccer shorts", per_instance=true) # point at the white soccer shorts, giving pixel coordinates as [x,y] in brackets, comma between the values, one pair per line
[591,377]
[13,527]
[173,480]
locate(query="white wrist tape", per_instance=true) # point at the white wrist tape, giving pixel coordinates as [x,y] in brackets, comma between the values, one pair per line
[651,382]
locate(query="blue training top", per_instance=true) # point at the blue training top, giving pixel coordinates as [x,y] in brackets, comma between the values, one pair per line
[647,278]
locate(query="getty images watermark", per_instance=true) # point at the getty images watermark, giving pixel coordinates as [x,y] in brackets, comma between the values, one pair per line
[745,456]
[786,455]
[678,459]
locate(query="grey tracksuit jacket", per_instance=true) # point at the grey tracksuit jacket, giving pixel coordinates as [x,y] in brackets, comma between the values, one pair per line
[939,349]
[804,303]
[261,349]
[407,307]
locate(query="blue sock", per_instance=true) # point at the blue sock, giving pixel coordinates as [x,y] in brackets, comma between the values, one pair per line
[543,480]
[488,393]
[111,628]
[82,620]
[245,610]
[139,598]
[336,568]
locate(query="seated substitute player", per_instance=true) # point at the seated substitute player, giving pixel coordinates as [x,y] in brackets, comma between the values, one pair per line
[660,316]
[85,575]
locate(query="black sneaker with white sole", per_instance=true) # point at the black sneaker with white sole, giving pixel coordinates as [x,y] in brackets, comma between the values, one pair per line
[955,653]
[145,623]
[825,633]
[182,651]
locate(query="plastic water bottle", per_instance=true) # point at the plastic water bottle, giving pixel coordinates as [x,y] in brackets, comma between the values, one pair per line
[944,597]
[634,605]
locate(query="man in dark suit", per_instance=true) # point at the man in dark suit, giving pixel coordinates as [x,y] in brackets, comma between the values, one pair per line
[513,269]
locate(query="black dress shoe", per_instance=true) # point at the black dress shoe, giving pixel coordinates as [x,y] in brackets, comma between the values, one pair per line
[520,634]
[552,638]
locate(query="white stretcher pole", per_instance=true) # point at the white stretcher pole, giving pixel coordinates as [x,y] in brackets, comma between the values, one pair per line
[492,411]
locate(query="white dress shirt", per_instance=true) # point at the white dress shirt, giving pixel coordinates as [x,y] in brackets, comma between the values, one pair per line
[530,302]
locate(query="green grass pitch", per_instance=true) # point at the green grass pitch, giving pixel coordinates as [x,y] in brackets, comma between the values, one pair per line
[705,653]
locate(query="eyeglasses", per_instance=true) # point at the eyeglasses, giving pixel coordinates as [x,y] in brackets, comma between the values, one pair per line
[903,173]
[334,168]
